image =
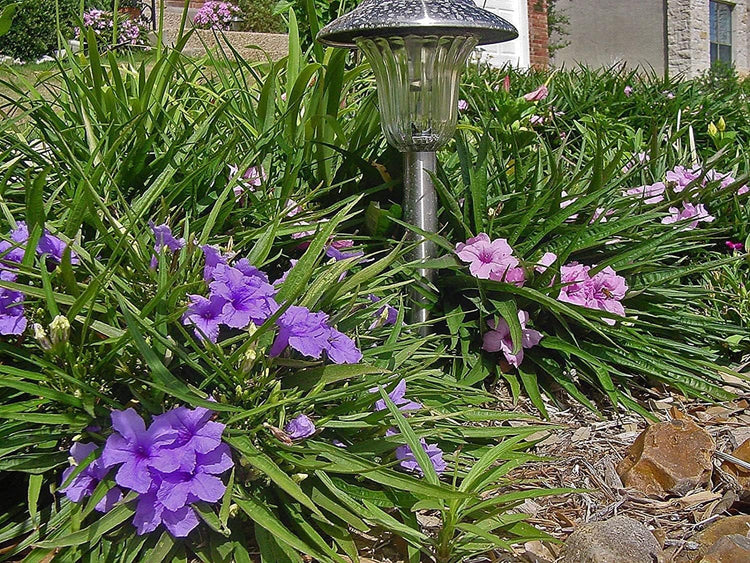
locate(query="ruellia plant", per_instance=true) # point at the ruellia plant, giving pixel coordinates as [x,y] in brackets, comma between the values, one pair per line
[205,345]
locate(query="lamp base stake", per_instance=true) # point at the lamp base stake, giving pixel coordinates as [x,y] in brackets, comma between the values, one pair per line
[420,206]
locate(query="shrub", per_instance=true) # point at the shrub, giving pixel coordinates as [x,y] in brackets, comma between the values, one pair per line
[34,29]
[259,16]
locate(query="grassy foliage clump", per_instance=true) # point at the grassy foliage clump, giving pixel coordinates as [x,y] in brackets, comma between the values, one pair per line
[283,165]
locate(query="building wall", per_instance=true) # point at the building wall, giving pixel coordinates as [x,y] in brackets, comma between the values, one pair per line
[649,33]
[607,32]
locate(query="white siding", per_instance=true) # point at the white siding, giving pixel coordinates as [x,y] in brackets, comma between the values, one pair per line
[514,52]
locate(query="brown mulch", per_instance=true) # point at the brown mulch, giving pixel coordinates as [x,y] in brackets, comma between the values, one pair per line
[586,451]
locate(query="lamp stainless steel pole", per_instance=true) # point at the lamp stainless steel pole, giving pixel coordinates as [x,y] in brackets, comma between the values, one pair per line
[417,50]
[420,205]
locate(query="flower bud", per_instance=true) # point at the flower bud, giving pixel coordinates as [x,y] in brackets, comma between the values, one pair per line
[721,125]
[40,335]
[59,330]
[712,129]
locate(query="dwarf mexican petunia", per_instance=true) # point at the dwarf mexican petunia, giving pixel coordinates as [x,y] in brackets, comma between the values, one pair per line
[83,484]
[300,427]
[138,450]
[490,259]
[398,396]
[498,339]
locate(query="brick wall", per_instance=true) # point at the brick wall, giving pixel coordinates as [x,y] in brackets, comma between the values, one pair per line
[538,33]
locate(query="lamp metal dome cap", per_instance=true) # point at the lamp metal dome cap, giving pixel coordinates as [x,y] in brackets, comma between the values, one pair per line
[386,18]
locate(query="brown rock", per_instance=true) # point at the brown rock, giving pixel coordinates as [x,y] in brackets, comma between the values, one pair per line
[740,473]
[729,549]
[668,458]
[612,541]
[706,538]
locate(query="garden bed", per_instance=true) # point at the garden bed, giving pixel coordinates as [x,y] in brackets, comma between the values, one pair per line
[205,350]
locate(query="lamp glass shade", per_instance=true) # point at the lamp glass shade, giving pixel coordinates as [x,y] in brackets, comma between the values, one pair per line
[418,86]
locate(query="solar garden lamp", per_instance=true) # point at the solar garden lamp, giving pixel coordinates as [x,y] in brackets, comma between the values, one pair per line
[417,50]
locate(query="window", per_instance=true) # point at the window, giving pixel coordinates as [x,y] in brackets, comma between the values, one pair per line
[720,21]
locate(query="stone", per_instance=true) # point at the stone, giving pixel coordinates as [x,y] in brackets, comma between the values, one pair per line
[705,539]
[740,473]
[612,541]
[671,457]
[729,549]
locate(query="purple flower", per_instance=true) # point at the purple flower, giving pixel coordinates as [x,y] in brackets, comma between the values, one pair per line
[463,105]
[698,213]
[150,513]
[628,90]
[54,248]
[138,450]
[165,239]
[490,259]
[250,271]
[303,331]
[48,245]
[604,291]
[206,314]
[498,339]
[213,258]
[187,485]
[341,349]
[398,398]
[283,277]
[405,455]
[83,484]
[333,252]
[649,194]
[196,433]
[246,299]
[300,428]
[386,315]
[12,320]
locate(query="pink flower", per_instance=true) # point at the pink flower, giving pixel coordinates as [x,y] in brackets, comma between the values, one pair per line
[649,194]
[506,83]
[603,291]
[738,246]
[641,157]
[536,120]
[698,213]
[628,90]
[498,339]
[463,105]
[537,95]
[743,190]
[601,215]
[491,259]
[545,262]
[566,201]
[681,177]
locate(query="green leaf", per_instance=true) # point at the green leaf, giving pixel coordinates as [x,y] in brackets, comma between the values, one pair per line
[95,531]
[266,465]
[6,18]
[262,516]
